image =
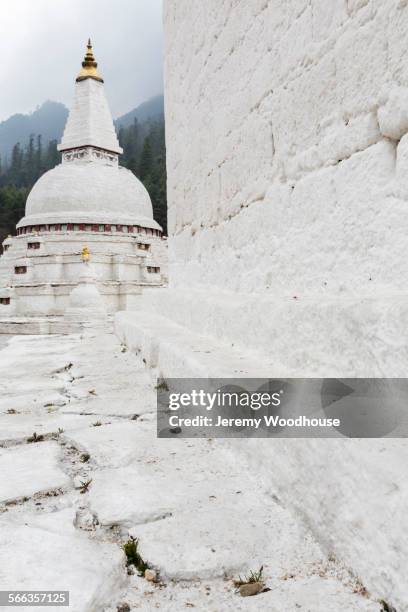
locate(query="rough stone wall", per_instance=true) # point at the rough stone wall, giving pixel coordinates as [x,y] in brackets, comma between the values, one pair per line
[287,145]
[287,125]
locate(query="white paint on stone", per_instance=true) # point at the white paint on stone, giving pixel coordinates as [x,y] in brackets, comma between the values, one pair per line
[101,444]
[29,470]
[85,299]
[287,215]
[80,192]
[33,558]
[310,593]
[216,542]
[22,425]
[393,116]
[222,517]
[236,222]
[90,121]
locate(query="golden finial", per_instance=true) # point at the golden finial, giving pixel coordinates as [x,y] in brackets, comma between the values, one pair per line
[89,66]
[85,254]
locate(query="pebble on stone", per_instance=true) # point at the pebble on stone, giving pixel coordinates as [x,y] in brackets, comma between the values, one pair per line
[175,430]
[250,589]
[150,575]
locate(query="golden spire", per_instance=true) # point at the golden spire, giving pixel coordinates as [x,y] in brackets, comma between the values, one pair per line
[89,66]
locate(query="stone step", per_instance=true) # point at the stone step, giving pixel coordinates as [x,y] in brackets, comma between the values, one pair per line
[178,352]
[46,552]
[304,336]
[202,515]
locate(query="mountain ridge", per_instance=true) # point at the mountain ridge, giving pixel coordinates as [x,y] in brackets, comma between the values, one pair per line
[150,109]
[48,120]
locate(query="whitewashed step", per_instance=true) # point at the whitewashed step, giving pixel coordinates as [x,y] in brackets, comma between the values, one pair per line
[177,352]
[35,558]
[29,469]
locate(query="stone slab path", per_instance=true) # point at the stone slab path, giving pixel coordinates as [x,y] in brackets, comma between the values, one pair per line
[81,472]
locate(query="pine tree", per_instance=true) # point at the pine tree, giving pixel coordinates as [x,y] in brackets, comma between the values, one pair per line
[146,161]
[39,167]
[52,156]
[28,176]
[15,171]
[121,139]
[12,205]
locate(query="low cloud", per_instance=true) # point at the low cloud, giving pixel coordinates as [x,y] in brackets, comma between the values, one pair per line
[43,43]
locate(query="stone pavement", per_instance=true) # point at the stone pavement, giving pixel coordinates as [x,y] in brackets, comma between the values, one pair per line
[82,472]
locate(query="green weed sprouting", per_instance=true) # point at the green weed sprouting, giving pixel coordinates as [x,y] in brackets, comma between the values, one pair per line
[85,486]
[252,577]
[35,438]
[130,548]
[162,386]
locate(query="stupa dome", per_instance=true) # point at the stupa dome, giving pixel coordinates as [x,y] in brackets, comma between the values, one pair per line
[89,192]
[89,187]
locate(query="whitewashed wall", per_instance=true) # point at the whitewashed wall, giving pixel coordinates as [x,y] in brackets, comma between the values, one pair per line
[287,143]
[286,150]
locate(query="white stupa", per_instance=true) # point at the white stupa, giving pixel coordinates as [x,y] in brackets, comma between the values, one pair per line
[87,204]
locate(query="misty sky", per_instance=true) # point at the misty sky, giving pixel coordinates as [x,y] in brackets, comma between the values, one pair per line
[42,44]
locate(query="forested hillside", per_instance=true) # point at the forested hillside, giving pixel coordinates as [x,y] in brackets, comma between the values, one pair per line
[48,120]
[144,154]
[16,179]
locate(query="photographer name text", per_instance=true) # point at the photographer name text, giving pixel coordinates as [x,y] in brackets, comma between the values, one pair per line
[272,421]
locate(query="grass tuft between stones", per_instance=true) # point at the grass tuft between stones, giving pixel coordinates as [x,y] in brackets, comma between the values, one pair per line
[162,385]
[251,578]
[386,607]
[133,557]
[35,438]
[85,486]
